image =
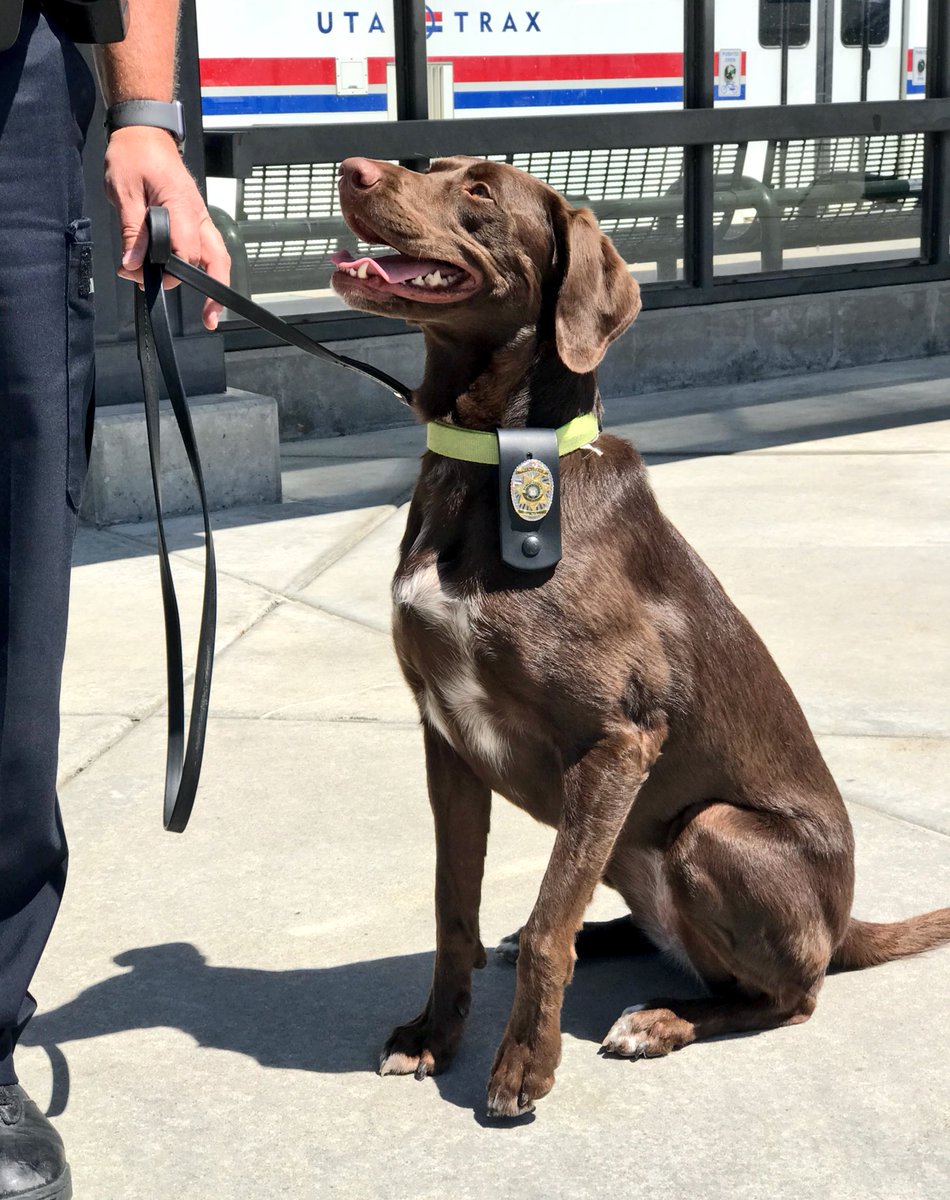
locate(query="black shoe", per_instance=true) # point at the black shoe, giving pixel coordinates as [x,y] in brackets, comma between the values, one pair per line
[32,1158]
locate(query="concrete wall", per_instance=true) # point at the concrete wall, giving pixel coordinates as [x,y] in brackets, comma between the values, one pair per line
[668,349]
[236,435]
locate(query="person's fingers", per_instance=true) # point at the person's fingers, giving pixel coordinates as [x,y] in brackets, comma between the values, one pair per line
[217,262]
[134,236]
[214,256]
[185,230]
[211,314]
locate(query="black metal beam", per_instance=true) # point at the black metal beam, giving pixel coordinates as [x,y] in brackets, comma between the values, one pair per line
[189,92]
[234,153]
[412,87]
[936,209]
[345,325]
[825,36]
[698,183]
[322,327]
[804,282]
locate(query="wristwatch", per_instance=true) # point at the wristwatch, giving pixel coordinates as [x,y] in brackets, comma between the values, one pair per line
[158,113]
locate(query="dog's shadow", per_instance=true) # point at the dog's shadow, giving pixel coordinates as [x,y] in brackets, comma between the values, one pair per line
[330,1019]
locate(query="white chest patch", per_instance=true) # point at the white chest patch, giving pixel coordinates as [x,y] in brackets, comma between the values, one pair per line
[454,702]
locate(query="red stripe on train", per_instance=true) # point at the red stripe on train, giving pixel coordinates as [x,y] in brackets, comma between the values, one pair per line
[321,72]
[516,68]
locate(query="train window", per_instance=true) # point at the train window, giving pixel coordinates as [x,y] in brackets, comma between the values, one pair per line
[784,22]
[877,14]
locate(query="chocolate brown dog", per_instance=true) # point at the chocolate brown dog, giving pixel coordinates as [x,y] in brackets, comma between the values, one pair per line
[619,697]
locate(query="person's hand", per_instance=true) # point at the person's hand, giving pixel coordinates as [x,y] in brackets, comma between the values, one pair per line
[143,168]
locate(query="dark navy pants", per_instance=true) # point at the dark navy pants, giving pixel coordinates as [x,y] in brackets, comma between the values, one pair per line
[46,366]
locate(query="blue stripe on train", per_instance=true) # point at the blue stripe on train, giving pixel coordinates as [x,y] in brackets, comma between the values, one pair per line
[555,97]
[288,103]
[236,106]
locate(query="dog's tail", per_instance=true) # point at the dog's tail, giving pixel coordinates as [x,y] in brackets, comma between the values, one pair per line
[870,943]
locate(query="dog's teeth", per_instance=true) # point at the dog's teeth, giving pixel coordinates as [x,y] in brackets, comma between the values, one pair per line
[419,281]
[363,270]
[351,271]
[437,280]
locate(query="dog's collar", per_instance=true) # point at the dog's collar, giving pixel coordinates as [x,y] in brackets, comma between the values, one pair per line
[480,446]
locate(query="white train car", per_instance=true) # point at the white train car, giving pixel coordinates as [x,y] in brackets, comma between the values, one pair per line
[331,61]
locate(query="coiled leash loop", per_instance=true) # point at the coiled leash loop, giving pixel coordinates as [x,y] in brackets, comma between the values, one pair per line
[156,352]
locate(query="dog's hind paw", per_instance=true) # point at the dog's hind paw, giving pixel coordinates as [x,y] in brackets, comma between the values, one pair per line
[643,1032]
[507,949]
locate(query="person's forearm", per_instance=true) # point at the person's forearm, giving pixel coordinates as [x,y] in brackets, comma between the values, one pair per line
[143,66]
[143,166]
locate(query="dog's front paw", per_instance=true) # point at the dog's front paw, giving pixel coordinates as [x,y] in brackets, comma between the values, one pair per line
[419,1048]
[643,1032]
[521,1075]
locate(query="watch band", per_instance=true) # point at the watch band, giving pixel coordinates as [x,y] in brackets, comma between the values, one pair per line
[157,113]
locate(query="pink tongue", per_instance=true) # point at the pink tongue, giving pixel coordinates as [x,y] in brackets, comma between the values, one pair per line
[393,268]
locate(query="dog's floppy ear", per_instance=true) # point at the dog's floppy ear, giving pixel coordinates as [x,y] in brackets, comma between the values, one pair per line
[598,297]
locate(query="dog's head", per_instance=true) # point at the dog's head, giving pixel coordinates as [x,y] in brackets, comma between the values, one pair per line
[481,249]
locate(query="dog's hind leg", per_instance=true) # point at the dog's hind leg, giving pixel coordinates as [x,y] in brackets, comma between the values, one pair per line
[650,1031]
[759,906]
[594,939]
[461,806]
[598,793]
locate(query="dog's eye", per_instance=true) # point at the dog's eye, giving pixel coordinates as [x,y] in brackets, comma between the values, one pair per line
[481,190]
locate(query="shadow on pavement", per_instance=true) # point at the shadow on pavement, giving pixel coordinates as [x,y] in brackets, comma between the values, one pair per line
[329,1019]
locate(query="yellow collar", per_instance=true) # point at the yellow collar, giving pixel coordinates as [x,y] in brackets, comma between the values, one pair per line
[481,446]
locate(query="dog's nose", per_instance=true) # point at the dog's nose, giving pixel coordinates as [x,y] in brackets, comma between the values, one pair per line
[360,174]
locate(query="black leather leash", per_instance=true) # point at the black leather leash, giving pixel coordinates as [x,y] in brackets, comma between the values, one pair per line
[156,352]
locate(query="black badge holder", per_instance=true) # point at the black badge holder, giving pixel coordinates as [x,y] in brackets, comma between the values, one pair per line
[528,462]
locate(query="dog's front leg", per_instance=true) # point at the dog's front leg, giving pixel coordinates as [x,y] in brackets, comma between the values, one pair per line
[461,805]
[598,794]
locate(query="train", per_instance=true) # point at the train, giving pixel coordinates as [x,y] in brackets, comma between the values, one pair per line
[331,61]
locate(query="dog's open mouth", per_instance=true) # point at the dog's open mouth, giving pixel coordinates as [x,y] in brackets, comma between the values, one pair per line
[428,280]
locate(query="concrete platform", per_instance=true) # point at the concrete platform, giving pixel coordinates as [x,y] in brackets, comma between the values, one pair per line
[212,1004]
[237,438]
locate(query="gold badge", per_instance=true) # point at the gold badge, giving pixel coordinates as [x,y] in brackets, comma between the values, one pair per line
[532,490]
